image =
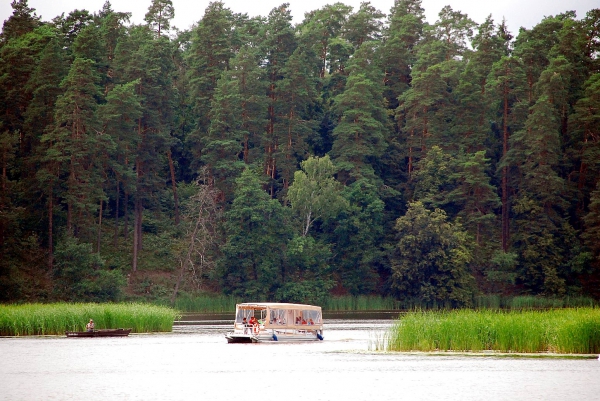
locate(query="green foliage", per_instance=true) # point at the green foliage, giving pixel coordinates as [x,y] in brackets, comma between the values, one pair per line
[315,194]
[79,274]
[256,229]
[502,273]
[159,15]
[206,303]
[103,122]
[307,291]
[433,178]
[358,236]
[360,303]
[431,257]
[359,137]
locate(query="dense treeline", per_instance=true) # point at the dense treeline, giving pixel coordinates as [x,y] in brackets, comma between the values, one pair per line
[356,152]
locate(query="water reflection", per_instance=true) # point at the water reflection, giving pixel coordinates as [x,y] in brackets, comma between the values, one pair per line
[195,362]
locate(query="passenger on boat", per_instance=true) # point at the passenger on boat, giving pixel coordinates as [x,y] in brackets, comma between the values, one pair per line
[254,324]
[90,325]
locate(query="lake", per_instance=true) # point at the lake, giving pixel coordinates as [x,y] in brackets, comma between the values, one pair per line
[194,362]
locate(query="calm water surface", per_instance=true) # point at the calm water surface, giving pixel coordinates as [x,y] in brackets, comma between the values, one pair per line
[196,363]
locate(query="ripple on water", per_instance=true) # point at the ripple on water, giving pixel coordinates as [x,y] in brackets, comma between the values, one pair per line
[195,362]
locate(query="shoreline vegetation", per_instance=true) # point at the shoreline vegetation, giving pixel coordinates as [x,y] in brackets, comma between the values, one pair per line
[56,318]
[554,331]
[218,303]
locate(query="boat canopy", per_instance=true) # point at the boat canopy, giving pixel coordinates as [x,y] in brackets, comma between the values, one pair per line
[280,315]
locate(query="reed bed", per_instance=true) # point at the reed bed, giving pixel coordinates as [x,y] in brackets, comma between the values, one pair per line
[218,303]
[531,302]
[361,302]
[207,303]
[565,331]
[52,319]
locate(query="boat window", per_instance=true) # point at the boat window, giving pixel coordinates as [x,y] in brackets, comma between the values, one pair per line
[311,317]
[282,316]
[244,313]
[294,317]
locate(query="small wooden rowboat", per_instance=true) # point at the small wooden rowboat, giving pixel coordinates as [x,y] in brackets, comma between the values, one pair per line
[100,333]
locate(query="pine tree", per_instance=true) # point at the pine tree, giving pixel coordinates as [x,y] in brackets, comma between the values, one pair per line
[418,112]
[279,44]
[471,127]
[23,20]
[540,209]
[222,150]
[238,119]
[319,28]
[297,95]
[76,142]
[405,27]
[534,47]
[590,237]
[159,16]
[453,29]
[119,116]
[44,84]
[149,61]
[357,239]
[474,196]
[211,49]
[585,123]
[70,27]
[364,25]
[359,138]
[506,86]
[256,233]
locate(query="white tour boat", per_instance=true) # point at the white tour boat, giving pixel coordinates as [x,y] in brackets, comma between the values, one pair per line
[267,321]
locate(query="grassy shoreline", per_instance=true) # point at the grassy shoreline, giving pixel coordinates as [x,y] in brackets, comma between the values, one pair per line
[219,303]
[560,331]
[55,319]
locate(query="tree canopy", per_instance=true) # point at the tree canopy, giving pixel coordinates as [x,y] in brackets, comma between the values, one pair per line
[356,152]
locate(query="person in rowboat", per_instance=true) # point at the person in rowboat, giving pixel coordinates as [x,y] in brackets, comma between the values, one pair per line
[90,326]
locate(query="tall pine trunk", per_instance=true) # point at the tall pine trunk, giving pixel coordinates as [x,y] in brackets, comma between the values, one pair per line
[505,220]
[3,202]
[174,185]
[136,233]
[50,227]
[99,239]
[116,235]
[126,216]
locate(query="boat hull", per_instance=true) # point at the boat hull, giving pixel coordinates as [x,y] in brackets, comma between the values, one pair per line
[99,333]
[274,336]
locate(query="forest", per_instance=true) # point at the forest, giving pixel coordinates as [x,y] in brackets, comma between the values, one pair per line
[357,152]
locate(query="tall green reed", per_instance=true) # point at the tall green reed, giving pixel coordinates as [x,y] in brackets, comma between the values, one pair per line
[562,331]
[51,319]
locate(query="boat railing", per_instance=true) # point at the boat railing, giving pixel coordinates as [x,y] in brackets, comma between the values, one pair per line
[249,329]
